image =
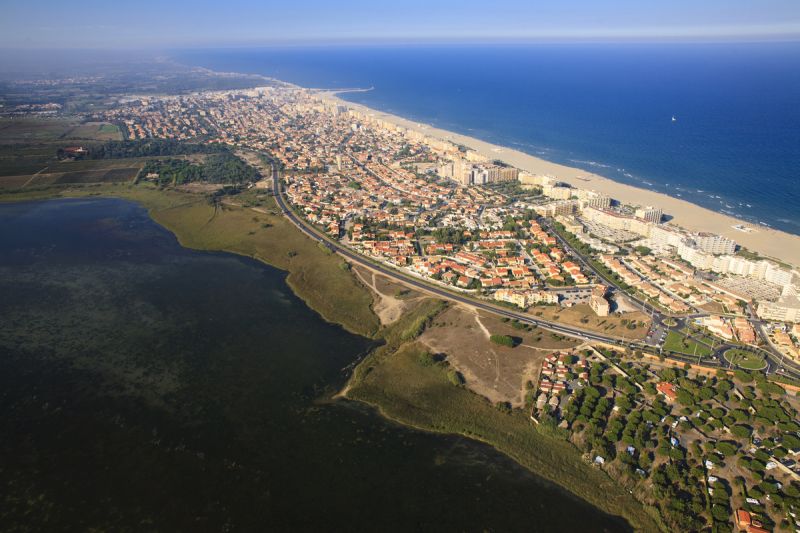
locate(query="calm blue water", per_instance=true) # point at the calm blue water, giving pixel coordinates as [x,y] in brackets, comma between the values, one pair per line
[734,148]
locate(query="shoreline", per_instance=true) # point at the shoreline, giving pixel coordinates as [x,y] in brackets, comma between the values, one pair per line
[768,242]
[182,232]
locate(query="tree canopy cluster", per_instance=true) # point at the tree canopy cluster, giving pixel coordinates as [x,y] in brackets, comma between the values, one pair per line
[151,148]
[218,168]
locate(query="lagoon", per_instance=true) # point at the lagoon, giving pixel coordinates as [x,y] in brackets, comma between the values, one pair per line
[146,387]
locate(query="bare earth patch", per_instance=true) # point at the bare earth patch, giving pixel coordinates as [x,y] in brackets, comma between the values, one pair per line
[391,299]
[499,373]
[582,316]
[199,188]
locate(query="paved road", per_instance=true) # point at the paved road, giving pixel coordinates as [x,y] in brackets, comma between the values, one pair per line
[652,342]
[442,293]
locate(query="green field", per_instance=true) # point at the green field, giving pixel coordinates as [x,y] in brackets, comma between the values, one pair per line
[100,131]
[745,359]
[675,342]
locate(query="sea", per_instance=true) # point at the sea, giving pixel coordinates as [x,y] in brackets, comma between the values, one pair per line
[716,124]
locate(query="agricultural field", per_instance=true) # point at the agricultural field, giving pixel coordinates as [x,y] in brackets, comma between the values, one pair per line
[30,145]
[99,131]
[27,130]
[76,172]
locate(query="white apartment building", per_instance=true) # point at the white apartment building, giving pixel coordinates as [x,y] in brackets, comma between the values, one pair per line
[616,221]
[666,236]
[694,256]
[650,214]
[557,192]
[592,199]
[713,243]
[786,309]
[559,207]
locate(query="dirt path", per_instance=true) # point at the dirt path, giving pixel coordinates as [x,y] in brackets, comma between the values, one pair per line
[34,177]
[388,308]
[488,335]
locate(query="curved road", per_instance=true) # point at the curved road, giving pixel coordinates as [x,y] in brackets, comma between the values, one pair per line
[442,293]
[334,246]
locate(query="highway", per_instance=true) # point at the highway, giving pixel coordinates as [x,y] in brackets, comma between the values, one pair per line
[432,289]
[774,365]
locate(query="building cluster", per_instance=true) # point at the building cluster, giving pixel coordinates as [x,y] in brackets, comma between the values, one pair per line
[428,205]
[560,372]
[738,328]
[393,194]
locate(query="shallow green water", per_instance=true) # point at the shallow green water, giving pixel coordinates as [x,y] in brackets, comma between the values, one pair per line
[148,387]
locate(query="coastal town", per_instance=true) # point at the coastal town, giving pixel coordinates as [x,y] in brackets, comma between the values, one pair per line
[684,403]
[452,216]
[420,266]
[685,377]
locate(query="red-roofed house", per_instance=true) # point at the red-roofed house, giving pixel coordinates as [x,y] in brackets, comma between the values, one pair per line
[668,390]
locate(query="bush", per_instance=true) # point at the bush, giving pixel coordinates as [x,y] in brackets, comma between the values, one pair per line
[503,340]
[503,407]
[455,377]
[426,359]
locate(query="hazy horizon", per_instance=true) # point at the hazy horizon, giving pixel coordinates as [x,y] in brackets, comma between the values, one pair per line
[152,25]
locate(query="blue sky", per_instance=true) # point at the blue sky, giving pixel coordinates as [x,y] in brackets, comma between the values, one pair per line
[150,23]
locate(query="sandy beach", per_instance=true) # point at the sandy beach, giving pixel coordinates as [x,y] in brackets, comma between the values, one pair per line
[766,241]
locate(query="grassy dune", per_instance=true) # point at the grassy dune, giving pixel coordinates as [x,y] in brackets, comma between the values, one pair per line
[396,380]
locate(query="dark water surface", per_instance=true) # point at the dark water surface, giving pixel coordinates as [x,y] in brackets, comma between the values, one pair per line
[144,386]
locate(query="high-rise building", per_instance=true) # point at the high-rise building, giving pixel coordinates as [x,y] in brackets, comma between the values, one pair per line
[557,192]
[713,243]
[786,309]
[650,214]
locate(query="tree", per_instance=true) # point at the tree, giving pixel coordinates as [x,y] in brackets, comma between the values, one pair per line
[720,513]
[726,448]
[741,431]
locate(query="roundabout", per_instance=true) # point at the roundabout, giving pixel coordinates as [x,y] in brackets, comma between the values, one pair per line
[744,359]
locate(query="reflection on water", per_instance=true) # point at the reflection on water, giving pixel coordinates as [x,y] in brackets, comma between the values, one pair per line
[150,387]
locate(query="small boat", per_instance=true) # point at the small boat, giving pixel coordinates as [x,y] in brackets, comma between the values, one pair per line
[674,119]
